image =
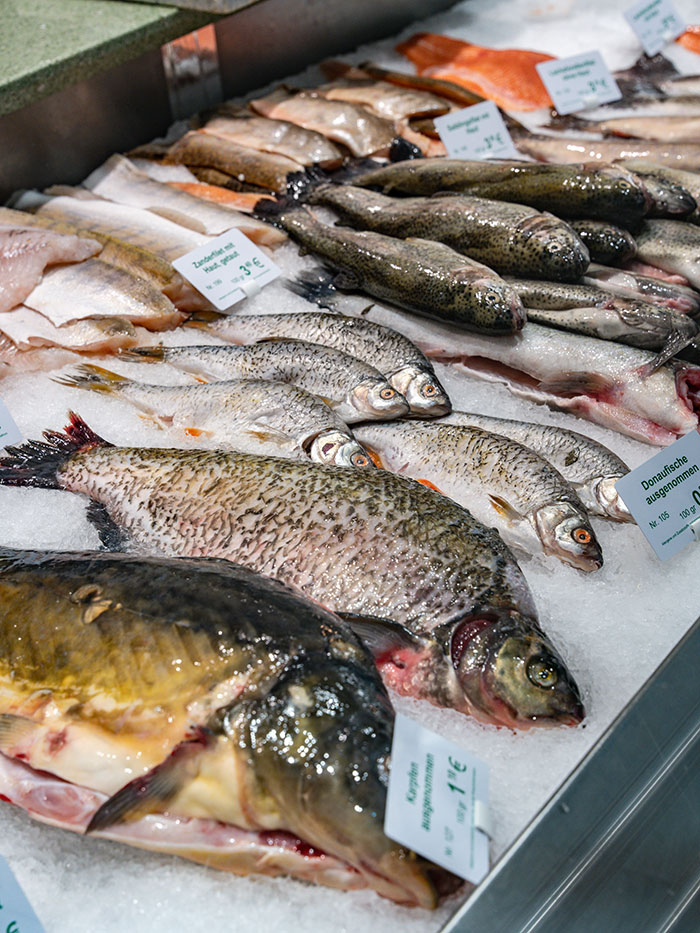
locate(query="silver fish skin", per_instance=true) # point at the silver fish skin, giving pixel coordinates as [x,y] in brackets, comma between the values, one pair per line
[498,480]
[590,467]
[509,238]
[353,389]
[599,191]
[462,630]
[355,127]
[248,415]
[421,275]
[400,361]
[599,380]
[605,242]
[680,86]
[688,180]
[644,287]
[567,149]
[279,136]
[672,246]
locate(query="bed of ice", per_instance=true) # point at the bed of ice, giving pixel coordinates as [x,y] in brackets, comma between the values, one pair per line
[613,627]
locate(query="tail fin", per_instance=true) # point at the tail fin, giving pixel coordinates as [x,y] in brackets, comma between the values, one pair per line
[271,211]
[143,354]
[314,285]
[36,463]
[92,377]
[402,150]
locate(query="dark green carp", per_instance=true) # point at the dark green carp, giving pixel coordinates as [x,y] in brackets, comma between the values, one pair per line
[440,597]
[228,706]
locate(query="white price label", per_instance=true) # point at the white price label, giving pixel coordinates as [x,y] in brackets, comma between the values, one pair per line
[476,132]
[227,269]
[9,432]
[16,914]
[437,803]
[663,496]
[656,23]
[578,82]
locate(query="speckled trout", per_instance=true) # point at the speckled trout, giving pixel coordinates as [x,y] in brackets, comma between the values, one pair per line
[499,480]
[396,357]
[196,708]
[438,596]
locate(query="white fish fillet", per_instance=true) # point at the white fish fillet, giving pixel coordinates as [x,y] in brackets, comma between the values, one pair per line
[27,328]
[26,251]
[119,181]
[94,289]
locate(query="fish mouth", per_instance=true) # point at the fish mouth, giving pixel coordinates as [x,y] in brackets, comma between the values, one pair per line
[422,390]
[378,400]
[566,533]
[338,449]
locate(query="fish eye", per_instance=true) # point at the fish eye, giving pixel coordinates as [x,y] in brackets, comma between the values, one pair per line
[492,297]
[359,460]
[429,390]
[554,247]
[541,673]
[581,535]
[387,393]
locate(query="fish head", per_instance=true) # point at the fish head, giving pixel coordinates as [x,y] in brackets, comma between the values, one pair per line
[510,672]
[339,449]
[377,399]
[496,305]
[558,252]
[320,744]
[422,391]
[600,496]
[565,531]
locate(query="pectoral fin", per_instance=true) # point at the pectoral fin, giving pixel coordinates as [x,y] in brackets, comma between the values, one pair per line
[504,508]
[151,792]
[675,342]
[12,730]
[381,636]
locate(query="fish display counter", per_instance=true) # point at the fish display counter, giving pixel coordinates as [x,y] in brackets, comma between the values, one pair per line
[233,546]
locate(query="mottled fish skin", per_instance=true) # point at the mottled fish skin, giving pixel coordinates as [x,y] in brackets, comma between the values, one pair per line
[363,542]
[114,665]
[382,98]
[265,170]
[606,382]
[353,389]
[248,415]
[669,199]
[586,309]
[278,136]
[671,245]
[567,149]
[498,480]
[420,275]
[396,358]
[355,127]
[598,191]
[590,467]
[689,181]
[509,238]
[644,287]
[605,242]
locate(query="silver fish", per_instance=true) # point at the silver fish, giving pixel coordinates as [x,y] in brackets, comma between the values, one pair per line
[249,415]
[567,149]
[497,480]
[590,467]
[353,389]
[672,246]
[396,358]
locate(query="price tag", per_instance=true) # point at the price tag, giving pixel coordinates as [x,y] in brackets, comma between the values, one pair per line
[437,803]
[656,23]
[663,496]
[578,82]
[476,132]
[9,432]
[16,914]
[227,269]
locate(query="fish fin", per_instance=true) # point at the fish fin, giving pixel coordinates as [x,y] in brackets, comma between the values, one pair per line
[381,636]
[143,354]
[198,432]
[401,150]
[152,419]
[112,537]
[346,280]
[271,211]
[268,434]
[36,463]
[13,729]
[426,482]
[148,793]
[315,286]
[568,383]
[675,342]
[177,217]
[504,508]
[301,184]
[92,377]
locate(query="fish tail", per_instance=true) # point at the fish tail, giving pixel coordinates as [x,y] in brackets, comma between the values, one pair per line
[272,211]
[314,285]
[36,463]
[92,377]
[401,150]
[143,354]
